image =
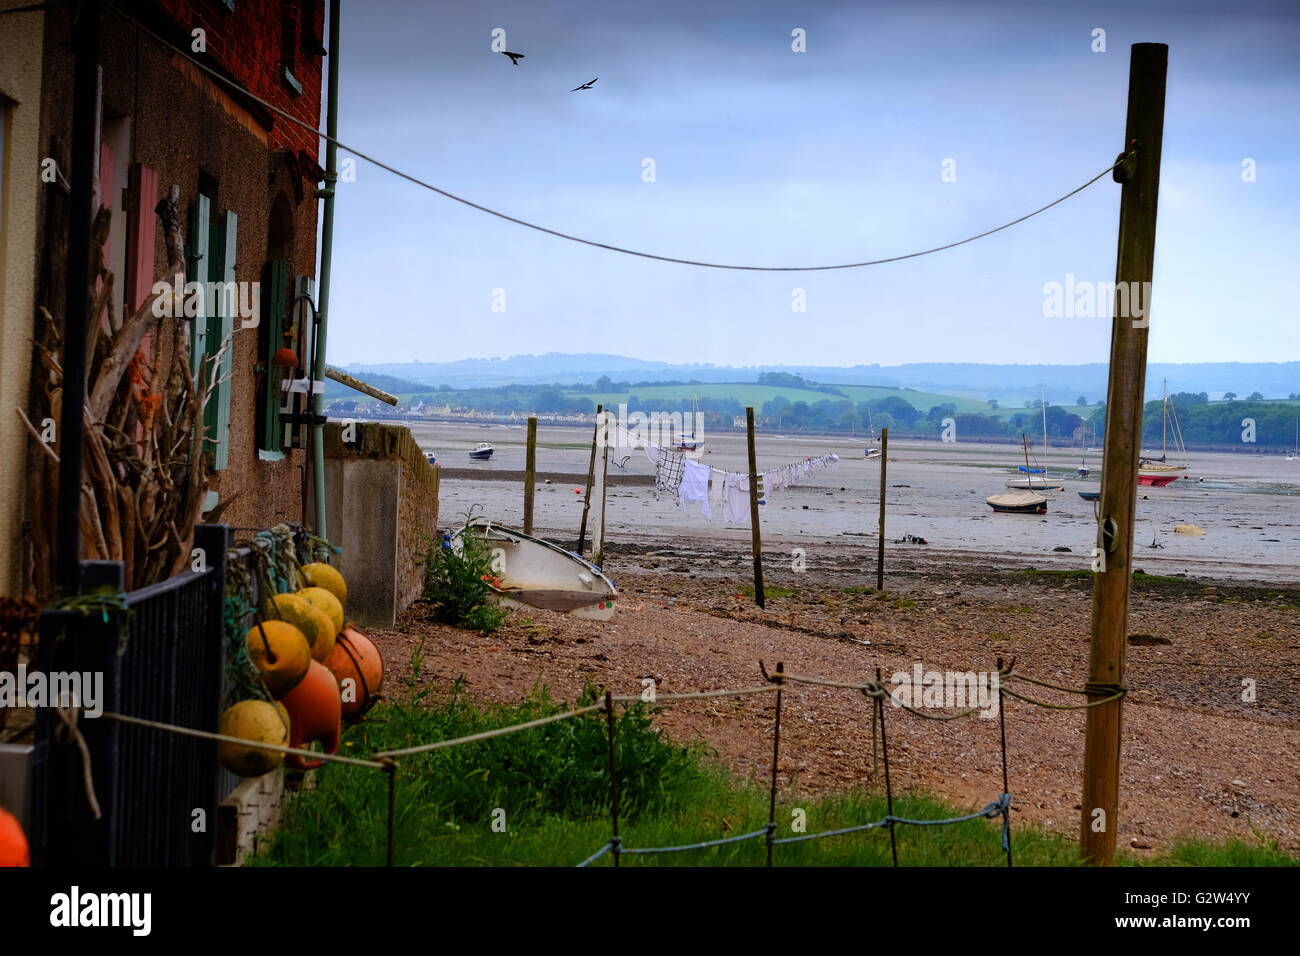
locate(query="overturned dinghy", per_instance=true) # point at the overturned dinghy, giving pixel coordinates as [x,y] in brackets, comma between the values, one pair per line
[531,572]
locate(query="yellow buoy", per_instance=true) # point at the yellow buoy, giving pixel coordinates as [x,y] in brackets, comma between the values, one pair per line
[281,652]
[325,601]
[314,623]
[321,575]
[258,722]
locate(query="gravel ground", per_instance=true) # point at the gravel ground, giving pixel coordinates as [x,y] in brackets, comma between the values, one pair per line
[1197,760]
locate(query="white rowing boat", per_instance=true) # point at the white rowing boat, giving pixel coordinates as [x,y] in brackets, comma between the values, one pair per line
[531,572]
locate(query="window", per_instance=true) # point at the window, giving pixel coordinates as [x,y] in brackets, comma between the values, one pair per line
[289,47]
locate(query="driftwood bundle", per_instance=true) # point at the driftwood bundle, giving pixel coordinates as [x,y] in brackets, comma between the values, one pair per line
[145,466]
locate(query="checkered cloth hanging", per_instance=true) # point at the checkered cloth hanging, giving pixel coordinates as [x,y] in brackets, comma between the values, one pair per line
[669,470]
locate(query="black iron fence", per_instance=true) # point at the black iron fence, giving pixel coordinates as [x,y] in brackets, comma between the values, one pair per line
[161,659]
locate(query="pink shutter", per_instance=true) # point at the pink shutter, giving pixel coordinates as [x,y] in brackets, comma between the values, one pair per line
[141,236]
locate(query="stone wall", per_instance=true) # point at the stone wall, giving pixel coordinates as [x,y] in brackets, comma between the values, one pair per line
[381,509]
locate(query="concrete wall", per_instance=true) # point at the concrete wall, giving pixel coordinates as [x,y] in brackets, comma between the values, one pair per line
[381,500]
[20,100]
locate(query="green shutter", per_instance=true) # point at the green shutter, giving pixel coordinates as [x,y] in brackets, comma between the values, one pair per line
[272,332]
[221,330]
[199,238]
[216,262]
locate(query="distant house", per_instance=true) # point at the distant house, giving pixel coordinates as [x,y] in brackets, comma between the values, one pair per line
[247,180]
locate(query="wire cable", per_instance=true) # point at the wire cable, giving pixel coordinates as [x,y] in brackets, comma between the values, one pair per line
[591,242]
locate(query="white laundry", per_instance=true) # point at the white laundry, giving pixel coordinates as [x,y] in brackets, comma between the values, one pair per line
[735,499]
[695,486]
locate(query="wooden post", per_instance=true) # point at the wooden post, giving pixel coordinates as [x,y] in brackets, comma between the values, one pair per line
[530,475]
[753,509]
[591,477]
[1140,174]
[880,545]
[604,487]
[77,319]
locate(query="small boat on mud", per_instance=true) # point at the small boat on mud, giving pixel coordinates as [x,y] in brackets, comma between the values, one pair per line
[1018,503]
[872,454]
[1090,495]
[483,451]
[1029,483]
[1021,502]
[531,572]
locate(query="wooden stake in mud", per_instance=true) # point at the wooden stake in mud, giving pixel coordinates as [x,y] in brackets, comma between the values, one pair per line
[604,489]
[530,475]
[613,776]
[753,514]
[591,477]
[880,545]
[1139,171]
[778,678]
[889,790]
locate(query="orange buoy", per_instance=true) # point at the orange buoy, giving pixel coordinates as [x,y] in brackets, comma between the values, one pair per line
[577,491]
[13,842]
[315,714]
[358,666]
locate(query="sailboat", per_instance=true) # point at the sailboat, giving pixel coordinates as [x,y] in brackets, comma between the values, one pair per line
[1034,477]
[690,442]
[1021,502]
[1157,472]
[1295,455]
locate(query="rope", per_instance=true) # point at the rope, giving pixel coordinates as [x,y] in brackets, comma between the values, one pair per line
[696,846]
[1043,703]
[699,695]
[68,717]
[598,854]
[256,744]
[588,242]
[488,734]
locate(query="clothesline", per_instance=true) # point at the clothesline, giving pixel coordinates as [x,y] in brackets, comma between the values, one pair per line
[693,482]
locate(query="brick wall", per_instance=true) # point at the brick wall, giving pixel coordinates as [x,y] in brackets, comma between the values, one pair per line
[253,42]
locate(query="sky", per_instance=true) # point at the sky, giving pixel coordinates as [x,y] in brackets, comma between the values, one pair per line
[899,128]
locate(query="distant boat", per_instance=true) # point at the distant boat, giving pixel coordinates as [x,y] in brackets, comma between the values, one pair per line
[1295,455]
[1019,502]
[531,572]
[431,458]
[689,443]
[871,454]
[1083,471]
[1032,481]
[1157,472]
[482,452]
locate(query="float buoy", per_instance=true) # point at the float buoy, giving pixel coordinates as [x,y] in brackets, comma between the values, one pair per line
[315,714]
[355,659]
[257,721]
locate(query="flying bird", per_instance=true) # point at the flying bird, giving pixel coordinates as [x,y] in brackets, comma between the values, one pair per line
[585,86]
[514,57]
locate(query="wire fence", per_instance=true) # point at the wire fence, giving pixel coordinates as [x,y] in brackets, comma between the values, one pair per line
[876,690]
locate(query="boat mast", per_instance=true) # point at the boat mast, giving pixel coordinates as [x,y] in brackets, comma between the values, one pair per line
[1044,393]
[1164,419]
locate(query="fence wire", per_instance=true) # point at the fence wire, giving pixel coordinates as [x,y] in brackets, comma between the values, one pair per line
[877,690]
